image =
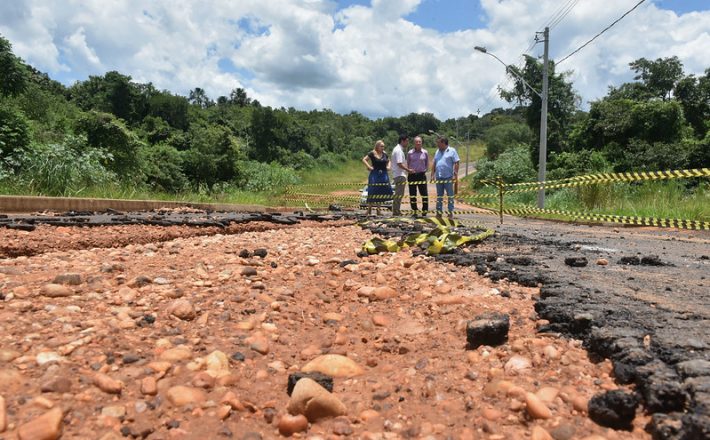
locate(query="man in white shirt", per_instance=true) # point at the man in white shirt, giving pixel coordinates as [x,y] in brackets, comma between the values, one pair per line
[400,170]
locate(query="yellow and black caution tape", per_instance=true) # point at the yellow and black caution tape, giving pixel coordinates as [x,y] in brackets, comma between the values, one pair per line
[592,179]
[529,211]
[289,188]
[442,239]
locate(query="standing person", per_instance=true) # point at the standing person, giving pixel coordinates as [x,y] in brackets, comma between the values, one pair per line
[418,163]
[399,172]
[445,168]
[379,189]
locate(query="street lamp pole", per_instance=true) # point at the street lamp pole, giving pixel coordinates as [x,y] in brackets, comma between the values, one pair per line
[542,163]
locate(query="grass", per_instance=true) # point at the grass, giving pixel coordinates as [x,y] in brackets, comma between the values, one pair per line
[125,192]
[350,171]
[671,199]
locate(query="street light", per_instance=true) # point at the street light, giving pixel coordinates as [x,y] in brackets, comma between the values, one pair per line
[542,162]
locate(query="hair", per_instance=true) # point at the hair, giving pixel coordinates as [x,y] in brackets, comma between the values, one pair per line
[444,140]
[402,137]
[380,142]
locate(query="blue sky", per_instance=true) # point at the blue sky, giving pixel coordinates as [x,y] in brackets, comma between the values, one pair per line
[378,57]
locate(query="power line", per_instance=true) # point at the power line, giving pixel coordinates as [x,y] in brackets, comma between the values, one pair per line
[604,30]
[562,17]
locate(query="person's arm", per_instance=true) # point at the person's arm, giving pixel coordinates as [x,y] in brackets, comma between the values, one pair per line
[433,169]
[389,164]
[367,163]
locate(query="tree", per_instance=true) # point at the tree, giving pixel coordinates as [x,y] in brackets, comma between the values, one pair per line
[106,132]
[199,97]
[562,103]
[500,138]
[660,76]
[239,97]
[14,133]
[171,108]
[264,128]
[694,96]
[13,74]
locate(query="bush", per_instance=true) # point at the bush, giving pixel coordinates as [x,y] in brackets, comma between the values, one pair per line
[14,132]
[513,166]
[257,176]
[500,138]
[162,168]
[104,131]
[63,170]
[578,163]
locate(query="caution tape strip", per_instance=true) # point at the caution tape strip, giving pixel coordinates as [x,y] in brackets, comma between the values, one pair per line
[591,179]
[304,185]
[677,223]
[438,241]
[307,196]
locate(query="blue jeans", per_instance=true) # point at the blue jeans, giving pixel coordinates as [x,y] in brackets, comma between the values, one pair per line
[440,188]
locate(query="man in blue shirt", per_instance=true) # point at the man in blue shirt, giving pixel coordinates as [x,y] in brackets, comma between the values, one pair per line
[445,168]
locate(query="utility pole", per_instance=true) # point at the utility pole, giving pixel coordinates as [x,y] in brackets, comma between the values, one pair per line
[542,162]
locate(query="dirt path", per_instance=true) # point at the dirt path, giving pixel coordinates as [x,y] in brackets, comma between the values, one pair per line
[196,337]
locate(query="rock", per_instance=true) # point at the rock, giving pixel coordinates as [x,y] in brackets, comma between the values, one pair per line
[381,320]
[217,364]
[176,354]
[536,407]
[443,288]
[332,317]
[117,411]
[517,364]
[56,385]
[181,395]
[56,291]
[314,401]
[488,329]
[258,343]
[341,426]
[8,355]
[550,352]
[48,356]
[289,425]
[368,414]
[694,368]
[203,380]
[547,394]
[3,415]
[261,252]
[491,414]
[576,261]
[248,271]
[182,309]
[107,384]
[602,262]
[613,409]
[564,431]
[334,365]
[322,379]
[149,386]
[540,433]
[72,279]
[48,426]
[384,292]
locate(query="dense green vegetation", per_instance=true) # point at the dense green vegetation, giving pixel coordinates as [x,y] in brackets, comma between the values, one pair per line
[111,136]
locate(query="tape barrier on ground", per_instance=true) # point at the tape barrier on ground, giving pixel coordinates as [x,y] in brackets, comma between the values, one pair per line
[443,238]
[309,197]
[359,184]
[528,211]
[593,179]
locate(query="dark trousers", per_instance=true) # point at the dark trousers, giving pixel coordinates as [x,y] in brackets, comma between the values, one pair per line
[420,183]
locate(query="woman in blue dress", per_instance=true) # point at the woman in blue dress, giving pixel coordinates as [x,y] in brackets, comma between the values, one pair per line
[379,189]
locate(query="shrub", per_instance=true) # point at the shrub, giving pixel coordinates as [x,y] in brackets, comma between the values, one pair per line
[513,166]
[104,131]
[258,176]
[500,138]
[61,170]
[14,132]
[162,168]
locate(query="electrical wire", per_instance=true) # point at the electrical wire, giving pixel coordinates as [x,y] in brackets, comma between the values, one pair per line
[566,12]
[603,30]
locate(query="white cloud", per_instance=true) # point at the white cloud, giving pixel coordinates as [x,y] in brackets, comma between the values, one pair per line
[307,55]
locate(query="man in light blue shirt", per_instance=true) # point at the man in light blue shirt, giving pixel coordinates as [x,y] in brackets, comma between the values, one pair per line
[445,168]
